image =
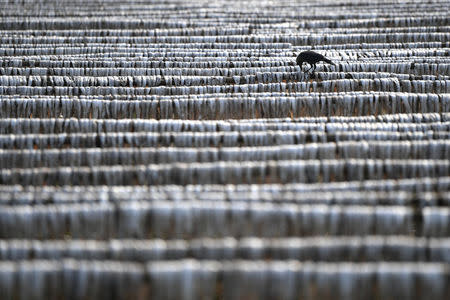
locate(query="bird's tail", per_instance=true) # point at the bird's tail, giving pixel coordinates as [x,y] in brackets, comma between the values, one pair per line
[328,61]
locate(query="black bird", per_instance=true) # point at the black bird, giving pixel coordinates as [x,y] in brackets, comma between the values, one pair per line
[311,58]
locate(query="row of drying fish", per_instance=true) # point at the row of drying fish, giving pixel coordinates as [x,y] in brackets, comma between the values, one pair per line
[403,196]
[325,249]
[232,29]
[139,64]
[367,84]
[220,139]
[31,158]
[171,76]
[264,40]
[235,279]
[71,88]
[250,172]
[196,219]
[424,191]
[394,123]
[215,106]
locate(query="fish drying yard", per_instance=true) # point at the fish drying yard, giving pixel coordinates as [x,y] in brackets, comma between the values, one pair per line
[175,150]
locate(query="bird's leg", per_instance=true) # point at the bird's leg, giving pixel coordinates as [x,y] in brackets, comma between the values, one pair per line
[314,68]
[309,68]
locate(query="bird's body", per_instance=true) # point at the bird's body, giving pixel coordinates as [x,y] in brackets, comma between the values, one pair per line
[311,58]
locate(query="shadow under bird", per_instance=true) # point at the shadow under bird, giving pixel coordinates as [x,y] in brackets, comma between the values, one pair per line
[311,58]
